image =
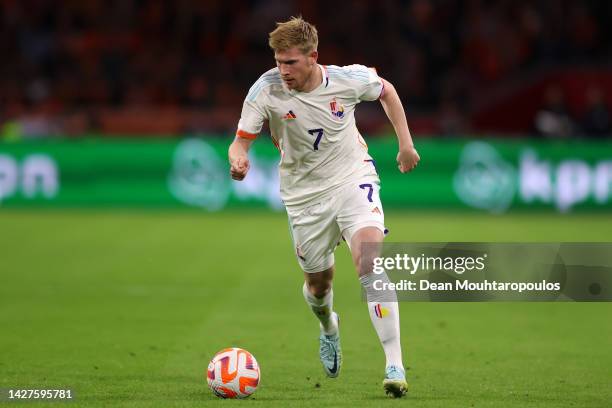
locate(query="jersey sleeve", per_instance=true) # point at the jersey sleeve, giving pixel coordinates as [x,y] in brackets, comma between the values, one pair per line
[368,84]
[252,118]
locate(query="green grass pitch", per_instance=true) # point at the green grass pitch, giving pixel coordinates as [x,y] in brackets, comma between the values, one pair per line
[127,308]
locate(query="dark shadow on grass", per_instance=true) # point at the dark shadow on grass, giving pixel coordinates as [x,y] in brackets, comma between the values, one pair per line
[383,397]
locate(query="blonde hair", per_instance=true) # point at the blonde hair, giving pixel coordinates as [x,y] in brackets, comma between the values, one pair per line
[294,33]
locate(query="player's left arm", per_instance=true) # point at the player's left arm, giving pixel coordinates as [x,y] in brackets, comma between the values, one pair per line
[407,157]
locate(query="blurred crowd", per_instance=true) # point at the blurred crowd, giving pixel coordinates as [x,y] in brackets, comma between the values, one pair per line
[74,66]
[554,119]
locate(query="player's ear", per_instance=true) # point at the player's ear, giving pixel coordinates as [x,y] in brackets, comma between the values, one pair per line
[313,56]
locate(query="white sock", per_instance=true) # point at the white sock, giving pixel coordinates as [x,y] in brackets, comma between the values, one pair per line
[384,313]
[322,309]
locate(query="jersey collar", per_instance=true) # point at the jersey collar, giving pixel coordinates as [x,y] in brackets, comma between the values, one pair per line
[325,75]
[324,83]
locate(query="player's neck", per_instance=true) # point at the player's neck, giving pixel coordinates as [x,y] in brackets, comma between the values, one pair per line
[314,80]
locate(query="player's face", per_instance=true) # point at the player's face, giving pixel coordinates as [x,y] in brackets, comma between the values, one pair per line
[295,67]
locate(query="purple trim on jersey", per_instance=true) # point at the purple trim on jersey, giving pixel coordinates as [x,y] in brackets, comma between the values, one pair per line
[326,75]
[382,91]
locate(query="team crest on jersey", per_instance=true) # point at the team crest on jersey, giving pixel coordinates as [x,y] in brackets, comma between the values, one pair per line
[337,109]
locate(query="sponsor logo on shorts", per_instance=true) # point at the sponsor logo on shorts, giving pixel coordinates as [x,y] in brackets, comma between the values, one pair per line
[299,253]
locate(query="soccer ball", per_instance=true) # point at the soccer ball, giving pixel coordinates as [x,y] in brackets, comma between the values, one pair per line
[233,373]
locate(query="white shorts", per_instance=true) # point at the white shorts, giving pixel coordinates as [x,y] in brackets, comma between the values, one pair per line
[318,228]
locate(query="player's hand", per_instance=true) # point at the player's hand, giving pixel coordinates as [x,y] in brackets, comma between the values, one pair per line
[407,159]
[239,168]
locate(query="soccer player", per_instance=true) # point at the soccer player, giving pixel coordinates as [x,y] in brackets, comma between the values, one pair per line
[329,183]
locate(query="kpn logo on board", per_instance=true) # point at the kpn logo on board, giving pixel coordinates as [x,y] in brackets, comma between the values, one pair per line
[34,176]
[486,180]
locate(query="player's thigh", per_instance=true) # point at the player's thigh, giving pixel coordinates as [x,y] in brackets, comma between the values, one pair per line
[315,235]
[366,245]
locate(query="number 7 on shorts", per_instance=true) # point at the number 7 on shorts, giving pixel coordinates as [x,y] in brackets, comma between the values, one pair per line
[370,190]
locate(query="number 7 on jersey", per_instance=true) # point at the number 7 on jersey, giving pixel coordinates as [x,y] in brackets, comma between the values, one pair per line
[319,133]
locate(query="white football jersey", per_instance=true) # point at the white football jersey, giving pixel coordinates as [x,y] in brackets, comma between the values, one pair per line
[315,131]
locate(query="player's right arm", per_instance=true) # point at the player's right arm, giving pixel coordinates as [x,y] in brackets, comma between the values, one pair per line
[250,124]
[239,158]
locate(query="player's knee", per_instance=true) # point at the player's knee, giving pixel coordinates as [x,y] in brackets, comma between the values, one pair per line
[319,288]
